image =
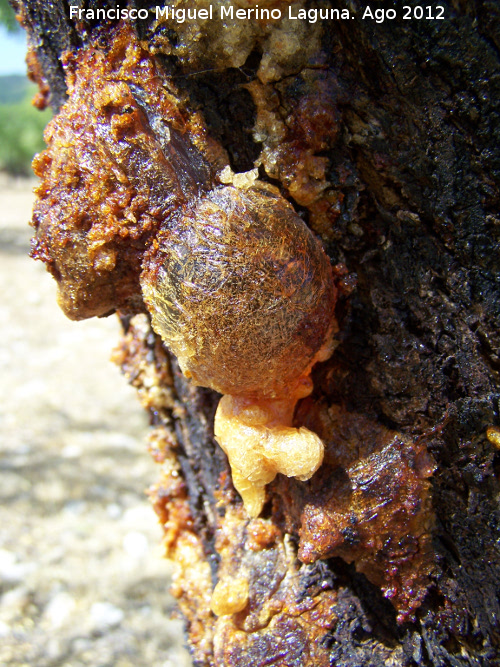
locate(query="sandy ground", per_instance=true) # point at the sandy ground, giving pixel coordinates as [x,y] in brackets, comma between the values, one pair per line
[82,581]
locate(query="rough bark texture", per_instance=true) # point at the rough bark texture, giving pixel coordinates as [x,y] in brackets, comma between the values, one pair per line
[385,137]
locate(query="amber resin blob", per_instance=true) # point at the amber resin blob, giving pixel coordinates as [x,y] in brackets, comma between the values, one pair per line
[242,292]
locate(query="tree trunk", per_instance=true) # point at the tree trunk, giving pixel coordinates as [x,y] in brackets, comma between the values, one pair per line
[383,134]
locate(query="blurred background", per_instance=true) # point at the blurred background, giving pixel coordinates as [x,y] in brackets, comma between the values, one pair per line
[82,578]
[21,125]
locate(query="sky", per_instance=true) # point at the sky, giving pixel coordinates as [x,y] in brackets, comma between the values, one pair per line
[12,52]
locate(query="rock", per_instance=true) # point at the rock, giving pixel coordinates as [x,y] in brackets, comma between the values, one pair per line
[135,544]
[59,609]
[105,615]
[10,570]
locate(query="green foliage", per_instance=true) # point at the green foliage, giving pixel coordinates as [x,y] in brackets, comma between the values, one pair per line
[8,17]
[21,126]
[13,88]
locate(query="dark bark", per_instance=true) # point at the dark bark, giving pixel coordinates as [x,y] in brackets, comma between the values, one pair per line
[410,207]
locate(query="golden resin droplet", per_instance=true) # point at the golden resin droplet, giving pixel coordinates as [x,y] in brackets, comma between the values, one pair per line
[493,435]
[229,596]
[260,442]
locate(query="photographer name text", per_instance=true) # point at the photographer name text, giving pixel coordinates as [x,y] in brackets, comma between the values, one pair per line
[230,13]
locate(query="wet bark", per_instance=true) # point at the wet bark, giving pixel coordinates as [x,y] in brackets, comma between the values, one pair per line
[407,207]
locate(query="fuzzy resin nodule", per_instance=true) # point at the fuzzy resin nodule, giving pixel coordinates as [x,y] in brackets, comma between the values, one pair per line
[242,292]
